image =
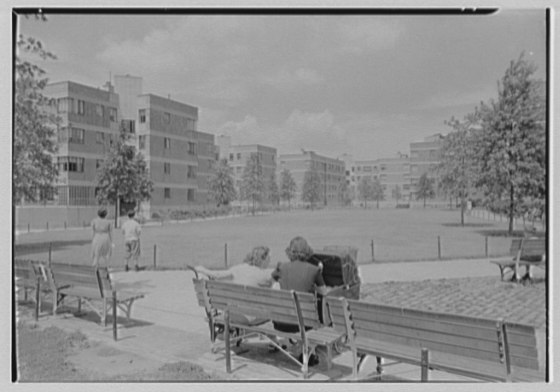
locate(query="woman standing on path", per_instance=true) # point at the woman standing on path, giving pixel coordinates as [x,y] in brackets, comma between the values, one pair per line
[102,242]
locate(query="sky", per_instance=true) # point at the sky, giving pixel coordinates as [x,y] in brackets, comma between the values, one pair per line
[362,84]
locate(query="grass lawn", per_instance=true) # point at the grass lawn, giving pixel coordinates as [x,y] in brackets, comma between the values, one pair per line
[398,235]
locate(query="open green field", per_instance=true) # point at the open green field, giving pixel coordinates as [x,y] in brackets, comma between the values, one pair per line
[398,235]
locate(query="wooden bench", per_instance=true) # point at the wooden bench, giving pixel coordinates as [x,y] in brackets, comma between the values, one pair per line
[93,287]
[29,279]
[222,299]
[490,350]
[526,252]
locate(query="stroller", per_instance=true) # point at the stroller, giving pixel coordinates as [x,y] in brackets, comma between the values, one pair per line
[340,273]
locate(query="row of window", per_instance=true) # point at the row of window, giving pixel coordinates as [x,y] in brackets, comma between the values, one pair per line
[239,156]
[70,164]
[167,194]
[189,123]
[191,146]
[191,170]
[78,106]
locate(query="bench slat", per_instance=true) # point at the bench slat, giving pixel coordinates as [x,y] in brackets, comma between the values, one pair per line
[261,299]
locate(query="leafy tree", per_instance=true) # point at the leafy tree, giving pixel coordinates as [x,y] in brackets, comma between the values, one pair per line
[252,184]
[365,189]
[511,142]
[425,188]
[344,193]
[34,143]
[397,193]
[287,186]
[124,176]
[378,193]
[221,184]
[273,191]
[457,169]
[311,189]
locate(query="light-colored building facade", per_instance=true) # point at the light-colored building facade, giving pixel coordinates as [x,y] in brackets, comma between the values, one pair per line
[425,155]
[331,171]
[89,126]
[391,172]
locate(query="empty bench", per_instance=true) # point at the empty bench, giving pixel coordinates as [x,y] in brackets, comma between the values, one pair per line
[526,252]
[222,299]
[489,350]
[92,287]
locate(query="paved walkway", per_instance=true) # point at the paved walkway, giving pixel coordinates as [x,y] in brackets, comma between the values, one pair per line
[169,325]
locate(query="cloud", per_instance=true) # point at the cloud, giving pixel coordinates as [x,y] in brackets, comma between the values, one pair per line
[358,35]
[287,80]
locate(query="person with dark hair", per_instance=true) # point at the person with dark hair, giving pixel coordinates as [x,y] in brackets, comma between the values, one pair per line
[299,275]
[102,241]
[131,230]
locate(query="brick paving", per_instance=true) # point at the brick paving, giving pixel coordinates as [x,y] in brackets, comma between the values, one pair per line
[486,297]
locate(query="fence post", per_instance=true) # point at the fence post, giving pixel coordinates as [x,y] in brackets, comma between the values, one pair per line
[439,247]
[155,256]
[47,226]
[50,252]
[64,225]
[225,255]
[372,251]
[486,246]
[29,227]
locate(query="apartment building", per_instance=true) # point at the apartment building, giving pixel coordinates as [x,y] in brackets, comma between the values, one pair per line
[424,156]
[391,172]
[331,171]
[238,155]
[89,126]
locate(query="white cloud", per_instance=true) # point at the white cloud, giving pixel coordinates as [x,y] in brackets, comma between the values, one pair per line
[359,35]
[288,80]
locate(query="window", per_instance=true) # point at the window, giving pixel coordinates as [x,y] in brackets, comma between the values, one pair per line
[70,164]
[99,110]
[142,115]
[167,193]
[167,118]
[142,142]
[98,163]
[100,137]
[77,135]
[191,148]
[166,143]
[167,168]
[113,114]
[191,172]
[81,107]
[127,126]
[191,125]
[190,194]
[231,157]
[238,156]
[65,105]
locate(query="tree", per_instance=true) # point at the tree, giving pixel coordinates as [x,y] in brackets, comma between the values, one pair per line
[458,168]
[311,189]
[425,188]
[252,184]
[287,186]
[365,189]
[221,184]
[378,193]
[34,144]
[344,193]
[124,176]
[511,142]
[397,193]
[273,192]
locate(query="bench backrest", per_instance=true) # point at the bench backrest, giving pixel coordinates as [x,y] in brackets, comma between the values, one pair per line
[26,272]
[508,344]
[276,305]
[83,276]
[532,249]
[515,247]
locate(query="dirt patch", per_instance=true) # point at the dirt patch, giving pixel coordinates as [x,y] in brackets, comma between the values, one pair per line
[53,355]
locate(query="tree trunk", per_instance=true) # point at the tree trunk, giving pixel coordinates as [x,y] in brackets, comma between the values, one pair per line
[462,212]
[424,202]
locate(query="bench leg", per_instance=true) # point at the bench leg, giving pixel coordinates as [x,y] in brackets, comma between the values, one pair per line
[424,365]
